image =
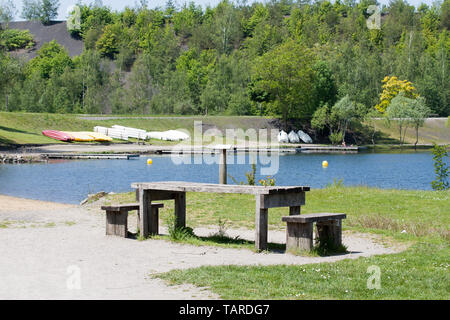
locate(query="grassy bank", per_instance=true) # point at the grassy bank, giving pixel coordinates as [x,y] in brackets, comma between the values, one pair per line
[26,128]
[434,130]
[419,217]
[421,272]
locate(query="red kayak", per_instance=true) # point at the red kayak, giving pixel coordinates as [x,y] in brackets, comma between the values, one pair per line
[58,135]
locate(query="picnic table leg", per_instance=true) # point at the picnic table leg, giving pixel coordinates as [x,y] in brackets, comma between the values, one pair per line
[180,209]
[144,211]
[261,224]
[294,210]
[330,231]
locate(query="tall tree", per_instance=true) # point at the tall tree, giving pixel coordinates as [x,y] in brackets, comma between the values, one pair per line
[286,74]
[43,10]
[7,12]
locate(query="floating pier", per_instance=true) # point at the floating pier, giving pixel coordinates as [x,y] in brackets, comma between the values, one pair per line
[328,149]
[90,156]
[290,150]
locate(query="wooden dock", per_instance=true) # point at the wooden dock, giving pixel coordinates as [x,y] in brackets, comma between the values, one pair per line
[286,150]
[231,150]
[70,156]
[329,149]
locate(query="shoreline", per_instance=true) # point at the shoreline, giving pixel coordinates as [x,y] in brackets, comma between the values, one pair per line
[20,204]
[41,153]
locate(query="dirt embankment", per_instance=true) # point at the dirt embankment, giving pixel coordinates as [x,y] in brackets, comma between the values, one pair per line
[56,30]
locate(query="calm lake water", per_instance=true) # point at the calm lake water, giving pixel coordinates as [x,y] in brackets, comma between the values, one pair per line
[71,181]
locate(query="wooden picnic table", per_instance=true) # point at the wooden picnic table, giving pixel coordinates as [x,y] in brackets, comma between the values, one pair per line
[265,198]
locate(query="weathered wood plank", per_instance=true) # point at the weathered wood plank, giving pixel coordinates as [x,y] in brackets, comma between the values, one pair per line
[295,210]
[314,217]
[122,224]
[261,224]
[144,211]
[117,223]
[180,210]
[283,200]
[119,207]
[299,236]
[330,231]
[110,223]
[182,186]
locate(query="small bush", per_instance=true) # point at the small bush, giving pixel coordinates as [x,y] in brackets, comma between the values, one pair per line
[336,137]
[178,233]
[440,168]
[336,183]
[13,39]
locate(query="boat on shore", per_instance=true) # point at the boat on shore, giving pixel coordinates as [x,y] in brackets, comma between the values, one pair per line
[58,135]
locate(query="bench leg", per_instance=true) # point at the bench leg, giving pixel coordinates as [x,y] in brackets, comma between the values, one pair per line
[261,224]
[294,210]
[117,223]
[299,236]
[144,209]
[154,221]
[180,210]
[330,231]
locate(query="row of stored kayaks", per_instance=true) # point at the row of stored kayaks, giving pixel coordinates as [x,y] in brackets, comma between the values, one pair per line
[103,134]
[82,136]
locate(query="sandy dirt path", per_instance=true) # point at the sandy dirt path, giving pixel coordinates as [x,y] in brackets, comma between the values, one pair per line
[45,246]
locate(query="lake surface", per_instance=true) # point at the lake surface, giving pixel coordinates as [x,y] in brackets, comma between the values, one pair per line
[71,181]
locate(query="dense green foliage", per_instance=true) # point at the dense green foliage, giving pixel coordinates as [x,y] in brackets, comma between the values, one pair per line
[282,58]
[42,10]
[7,11]
[440,168]
[13,39]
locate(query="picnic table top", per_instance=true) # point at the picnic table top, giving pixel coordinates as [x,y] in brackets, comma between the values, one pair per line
[183,186]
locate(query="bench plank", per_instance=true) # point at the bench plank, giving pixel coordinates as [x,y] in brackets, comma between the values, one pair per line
[128,207]
[182,186]
[314,217]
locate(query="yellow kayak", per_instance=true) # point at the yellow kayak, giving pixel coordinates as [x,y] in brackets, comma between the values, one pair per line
[80,136]
[84,136]
[99,136]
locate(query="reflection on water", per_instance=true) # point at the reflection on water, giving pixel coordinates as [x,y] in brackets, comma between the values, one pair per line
[71,181]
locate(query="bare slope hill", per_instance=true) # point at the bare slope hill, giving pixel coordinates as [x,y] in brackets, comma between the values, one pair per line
[57,30]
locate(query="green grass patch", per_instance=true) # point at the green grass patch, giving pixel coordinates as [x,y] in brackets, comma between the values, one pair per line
[26,128]
[421,272]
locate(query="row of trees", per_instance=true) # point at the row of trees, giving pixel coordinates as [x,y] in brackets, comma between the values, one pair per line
[309,60]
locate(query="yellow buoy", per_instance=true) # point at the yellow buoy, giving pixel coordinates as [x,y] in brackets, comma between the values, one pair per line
[149,161]
[324,164]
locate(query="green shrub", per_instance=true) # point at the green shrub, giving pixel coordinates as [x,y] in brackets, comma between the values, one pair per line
[336,137]
[13,39]
[440,168]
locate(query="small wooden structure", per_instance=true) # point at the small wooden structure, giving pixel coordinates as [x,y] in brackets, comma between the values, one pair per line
[222,161]
[265,198]
[299,232]
[89,156]
[117,218]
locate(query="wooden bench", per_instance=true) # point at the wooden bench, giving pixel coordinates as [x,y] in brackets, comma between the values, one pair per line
[117,218]
[299,231]
[265,198]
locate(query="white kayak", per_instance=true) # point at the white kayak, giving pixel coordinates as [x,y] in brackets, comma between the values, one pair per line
[304,136]
[169,135]
[293,137]
[283,137]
